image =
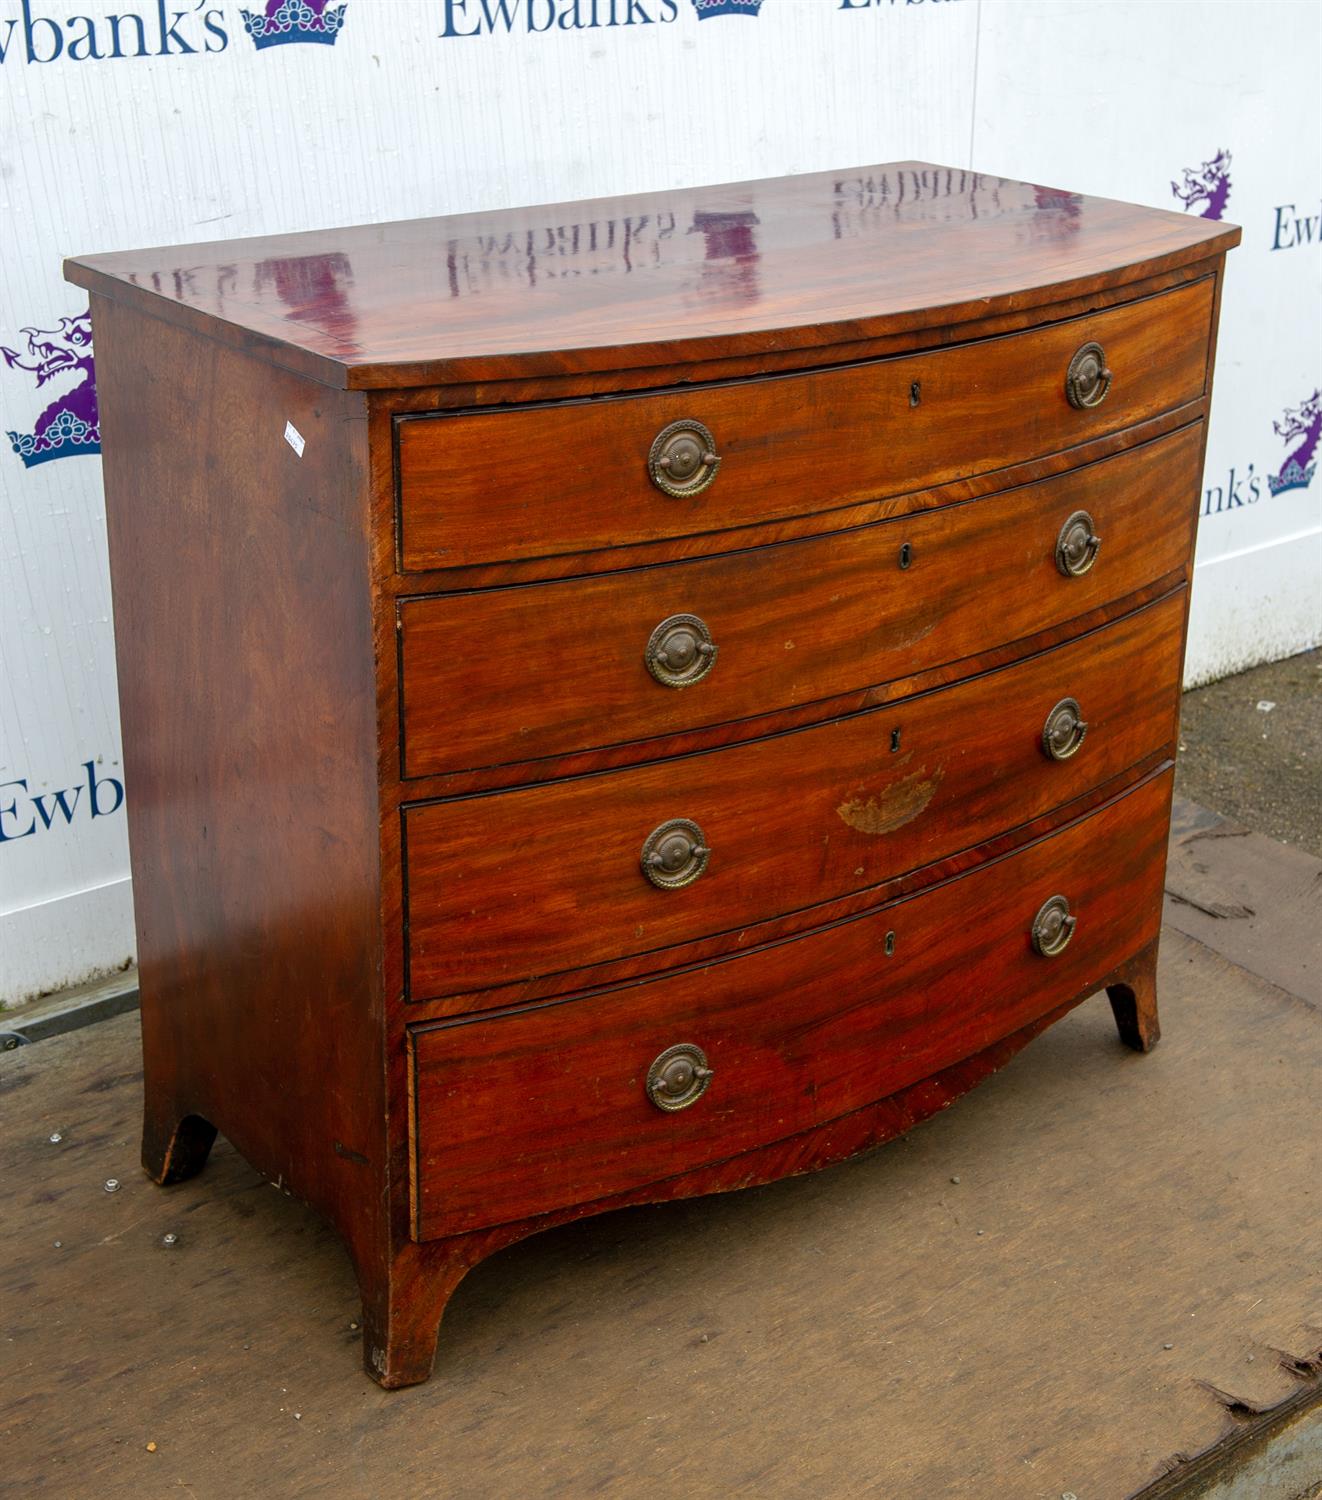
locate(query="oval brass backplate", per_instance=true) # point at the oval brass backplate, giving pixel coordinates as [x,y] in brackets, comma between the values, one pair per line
[1064,730]
[678,1077]
[680,651]
[1053,927]
[1077,545]
[683,460]
[675,854]
[1087,380]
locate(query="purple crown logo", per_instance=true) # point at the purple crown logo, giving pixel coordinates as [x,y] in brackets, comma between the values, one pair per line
[285,21]
[1208,185]
[708,8]
[1303,422]
[71,424]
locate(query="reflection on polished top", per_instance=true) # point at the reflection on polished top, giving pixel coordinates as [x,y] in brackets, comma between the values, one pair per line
[607,283]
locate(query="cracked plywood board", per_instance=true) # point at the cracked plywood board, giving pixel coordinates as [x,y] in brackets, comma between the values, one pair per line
[846,1334]
[1271,1456]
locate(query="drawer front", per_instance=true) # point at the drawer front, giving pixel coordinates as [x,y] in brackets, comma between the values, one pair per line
[513,674]
[523,1113]
[546,879]
[478,487]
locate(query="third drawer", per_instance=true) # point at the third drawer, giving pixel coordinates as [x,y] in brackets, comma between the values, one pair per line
[546,879]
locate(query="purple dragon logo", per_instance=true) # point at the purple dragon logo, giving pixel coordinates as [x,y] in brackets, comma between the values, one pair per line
[71,424]
[1304,423]
[285,21]
[708,8]
[1208,185]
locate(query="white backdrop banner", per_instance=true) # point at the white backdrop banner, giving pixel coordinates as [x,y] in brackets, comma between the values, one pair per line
[126,123]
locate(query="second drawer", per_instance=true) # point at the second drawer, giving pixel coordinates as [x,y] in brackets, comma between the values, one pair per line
[516,674]
[546,879]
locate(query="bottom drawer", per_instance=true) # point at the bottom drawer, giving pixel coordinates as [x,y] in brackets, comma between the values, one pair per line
[524,1112]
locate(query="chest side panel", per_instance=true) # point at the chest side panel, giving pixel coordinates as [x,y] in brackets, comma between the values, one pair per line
[243,627]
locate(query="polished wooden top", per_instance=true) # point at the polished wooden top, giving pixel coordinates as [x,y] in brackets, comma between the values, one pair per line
[689,274]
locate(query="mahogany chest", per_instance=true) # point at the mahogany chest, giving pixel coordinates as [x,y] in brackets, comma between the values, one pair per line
[634,698]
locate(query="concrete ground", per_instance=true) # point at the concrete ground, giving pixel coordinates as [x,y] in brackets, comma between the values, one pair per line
[1251,747]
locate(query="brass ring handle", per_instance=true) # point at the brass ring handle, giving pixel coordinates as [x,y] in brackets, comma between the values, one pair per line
[1063,732]
[675,854]
[683,459]
[668,461]
[678,1077]
[1077,545]
[680,651]
[1088,379]
[1053,927]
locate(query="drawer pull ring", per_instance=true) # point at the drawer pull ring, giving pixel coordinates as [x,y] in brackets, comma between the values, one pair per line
[1053,927]
[680,651]
[678,1077]
[683,460]
[675,854]
[1087,380]
[1064,730]
[1077,545]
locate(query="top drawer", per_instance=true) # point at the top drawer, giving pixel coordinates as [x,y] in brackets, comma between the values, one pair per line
[506,484]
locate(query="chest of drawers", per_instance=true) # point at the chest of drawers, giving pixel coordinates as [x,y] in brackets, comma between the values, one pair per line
[630,699]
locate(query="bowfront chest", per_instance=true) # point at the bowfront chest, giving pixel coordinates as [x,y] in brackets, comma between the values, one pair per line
[634,698]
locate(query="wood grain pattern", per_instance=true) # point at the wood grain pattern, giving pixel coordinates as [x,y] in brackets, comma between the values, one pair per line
[757,534]
[511,675]
[992,321]
[243,634]
[474,487]
[851,1024]
[736,268]
[548,878]
[774,929]
[260,603]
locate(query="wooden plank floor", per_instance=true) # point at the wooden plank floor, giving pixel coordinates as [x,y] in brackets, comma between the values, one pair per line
[1128,1266]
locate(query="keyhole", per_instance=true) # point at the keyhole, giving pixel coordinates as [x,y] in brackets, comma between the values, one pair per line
[915,393]
[895,740]
[906,555]
[890,944]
